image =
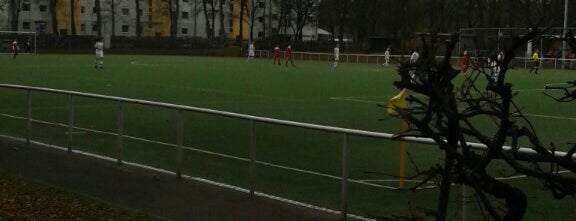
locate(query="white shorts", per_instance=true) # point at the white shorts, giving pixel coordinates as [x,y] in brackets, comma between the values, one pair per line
[337,58]
[251,53]
[99,54]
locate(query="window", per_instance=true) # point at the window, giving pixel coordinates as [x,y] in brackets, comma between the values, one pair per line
[260,34]
[94,11]
[125,28]
[261,4]
[125,11]
[185,0]
[184,15]
[83,27]
[26,6]
[261,19]
[26,25]
[94,27]
[43,8]
[184,31]
[82,9]
[140,12]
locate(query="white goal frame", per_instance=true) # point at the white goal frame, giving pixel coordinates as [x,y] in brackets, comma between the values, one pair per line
[28,33]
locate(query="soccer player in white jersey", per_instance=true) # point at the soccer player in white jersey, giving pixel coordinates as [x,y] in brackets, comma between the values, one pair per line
[251,50]
[336,55]
[99,46]
[414,57]
[386,57]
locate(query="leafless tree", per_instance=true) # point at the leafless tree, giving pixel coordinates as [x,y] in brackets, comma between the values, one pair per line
[98,9]
[209,15]
[450,114]
[15,9]
[303,10]
[138,19]
[73,4]
[222,31]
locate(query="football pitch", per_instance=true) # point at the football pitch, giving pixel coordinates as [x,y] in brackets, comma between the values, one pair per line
[296,164]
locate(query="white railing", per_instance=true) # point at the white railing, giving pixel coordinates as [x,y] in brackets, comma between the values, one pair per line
[526,62]
[345,133]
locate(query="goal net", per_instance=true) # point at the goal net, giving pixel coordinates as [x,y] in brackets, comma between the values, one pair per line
[26,41]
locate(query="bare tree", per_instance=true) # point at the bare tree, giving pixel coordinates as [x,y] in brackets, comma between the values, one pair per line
[303,10]
[73,4]
[243,8]
[449,114]
[174,12]
[253,10]
[222,31]
[209,15]
[138,19]
[15,9]
[98,9]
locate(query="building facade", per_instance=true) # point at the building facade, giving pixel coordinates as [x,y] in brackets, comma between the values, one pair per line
[195,18]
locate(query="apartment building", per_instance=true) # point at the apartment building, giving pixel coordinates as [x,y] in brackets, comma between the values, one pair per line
[195,18]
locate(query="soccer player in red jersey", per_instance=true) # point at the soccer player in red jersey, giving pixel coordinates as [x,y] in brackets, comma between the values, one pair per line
[15,49]
[277,54]
[288,56]
[465,62]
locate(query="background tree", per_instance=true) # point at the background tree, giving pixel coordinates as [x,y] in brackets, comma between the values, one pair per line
[209,9]
[174,13]
[253,10]
[222,31]
[15,9]
[138,21]
[452,116]
[303,10]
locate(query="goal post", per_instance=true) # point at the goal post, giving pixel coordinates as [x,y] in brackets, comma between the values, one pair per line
[27,41]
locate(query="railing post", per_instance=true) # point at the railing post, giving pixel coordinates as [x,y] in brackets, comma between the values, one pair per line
[464,202]
[28,116]
[120,136]
[179,136]
[70,122]
[344,190]
[252,157]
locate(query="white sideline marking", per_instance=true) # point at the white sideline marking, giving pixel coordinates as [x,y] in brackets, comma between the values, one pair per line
[293,202]
[365,99]
[356,100]
[552,117]
[141,64]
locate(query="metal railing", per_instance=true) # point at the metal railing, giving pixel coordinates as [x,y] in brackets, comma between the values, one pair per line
[526,62]
[253,120]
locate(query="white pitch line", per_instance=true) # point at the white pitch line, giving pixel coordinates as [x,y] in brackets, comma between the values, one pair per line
[356,100]
[417,181]
[552,117]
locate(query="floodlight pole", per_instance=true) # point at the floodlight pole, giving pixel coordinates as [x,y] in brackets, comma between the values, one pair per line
[565,32]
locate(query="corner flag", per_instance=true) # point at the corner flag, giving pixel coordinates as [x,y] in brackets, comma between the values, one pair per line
[398,101]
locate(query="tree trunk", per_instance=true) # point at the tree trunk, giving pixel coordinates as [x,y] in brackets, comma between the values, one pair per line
[209,34]
[98,9]
[241,20]
[72,17]
[138,20]
[222,32]
[15,8]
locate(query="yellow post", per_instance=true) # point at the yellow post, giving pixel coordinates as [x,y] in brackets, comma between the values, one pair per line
[402,155]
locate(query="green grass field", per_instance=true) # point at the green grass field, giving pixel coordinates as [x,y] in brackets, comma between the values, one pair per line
[313,92]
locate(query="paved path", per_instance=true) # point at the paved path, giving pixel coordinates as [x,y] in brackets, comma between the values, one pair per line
[143,190]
